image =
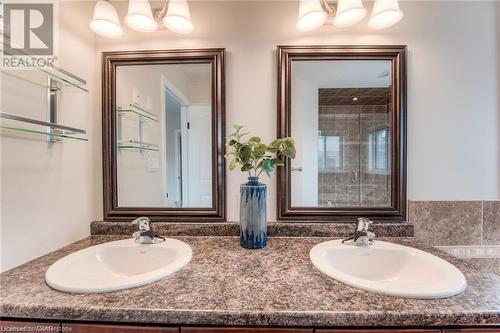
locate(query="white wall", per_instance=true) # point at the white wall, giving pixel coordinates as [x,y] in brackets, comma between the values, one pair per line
[50,193]
[453,117]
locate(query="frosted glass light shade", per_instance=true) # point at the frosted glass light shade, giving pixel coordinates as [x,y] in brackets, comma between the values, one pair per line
[349,12]
[140,17]
[178,18]
[311,15]
[385,13]
[105,20]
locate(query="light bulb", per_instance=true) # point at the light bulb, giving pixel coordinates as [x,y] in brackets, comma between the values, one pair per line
[311,15]
[349,12]
[385,13]
[139,17]
[178,18]
[105,20]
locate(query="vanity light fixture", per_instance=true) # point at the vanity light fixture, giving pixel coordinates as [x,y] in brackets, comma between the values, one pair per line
[178,17]
[385,13]
[174,14]
[315,13]
[140,17]
[349,12]
[105,20]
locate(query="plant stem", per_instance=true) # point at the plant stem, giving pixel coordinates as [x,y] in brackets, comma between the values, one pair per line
[255,168]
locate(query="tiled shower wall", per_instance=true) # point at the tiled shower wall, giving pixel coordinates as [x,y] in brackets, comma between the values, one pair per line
[353,123]
[463,226]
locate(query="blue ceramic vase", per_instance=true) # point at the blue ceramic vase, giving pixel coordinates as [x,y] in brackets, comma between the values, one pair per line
[253,219]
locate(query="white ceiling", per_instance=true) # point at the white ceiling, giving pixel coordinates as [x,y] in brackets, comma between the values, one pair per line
[344,74]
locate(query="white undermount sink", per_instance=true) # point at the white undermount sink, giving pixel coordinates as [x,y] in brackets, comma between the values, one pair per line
[389,269]
[117,265]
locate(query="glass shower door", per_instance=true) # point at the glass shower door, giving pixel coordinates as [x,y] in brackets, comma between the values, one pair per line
[338,159]
[354,156]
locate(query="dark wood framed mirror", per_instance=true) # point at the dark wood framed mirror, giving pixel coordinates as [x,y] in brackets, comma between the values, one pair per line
[163,135]
[346,108]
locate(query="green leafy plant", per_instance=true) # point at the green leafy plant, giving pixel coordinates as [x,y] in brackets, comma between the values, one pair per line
[254,156]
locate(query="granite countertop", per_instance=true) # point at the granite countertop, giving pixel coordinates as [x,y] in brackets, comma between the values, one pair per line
[227,285]
[274,229]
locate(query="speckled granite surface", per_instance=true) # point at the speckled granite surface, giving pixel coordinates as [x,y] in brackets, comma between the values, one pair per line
[275,229]
[228,285]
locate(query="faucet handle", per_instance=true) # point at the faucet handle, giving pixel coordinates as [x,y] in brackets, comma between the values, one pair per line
[144,223]
[364,224]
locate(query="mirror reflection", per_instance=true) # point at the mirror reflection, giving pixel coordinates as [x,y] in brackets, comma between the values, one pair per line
[164,135]
[341,115]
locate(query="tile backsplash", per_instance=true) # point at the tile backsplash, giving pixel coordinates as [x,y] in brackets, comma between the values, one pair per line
[452,223]
[466,229]
[447,222]
[491,222]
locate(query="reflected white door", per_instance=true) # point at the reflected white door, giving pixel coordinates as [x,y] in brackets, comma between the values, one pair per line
[199,141]
[172,152]
[305,132]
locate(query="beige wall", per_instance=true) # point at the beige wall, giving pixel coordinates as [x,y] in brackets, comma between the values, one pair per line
[452,107]
[50,193]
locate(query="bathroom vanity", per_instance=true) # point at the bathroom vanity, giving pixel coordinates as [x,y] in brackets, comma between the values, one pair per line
[155,138]
[341,118]
[100,328]
[226,288]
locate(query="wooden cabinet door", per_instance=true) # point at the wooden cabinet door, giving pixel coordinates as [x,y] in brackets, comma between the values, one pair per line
[28,326]
[244,330]
[472,330]
[103,328]
[379,330]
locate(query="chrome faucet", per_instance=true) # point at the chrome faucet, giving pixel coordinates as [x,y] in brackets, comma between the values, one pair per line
[145,235]
[362,236]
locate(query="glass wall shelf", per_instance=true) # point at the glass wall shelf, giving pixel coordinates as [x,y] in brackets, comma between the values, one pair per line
[141,113]
[53,131]
[51,135]
[37,74]
[41,77]
[137,145]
